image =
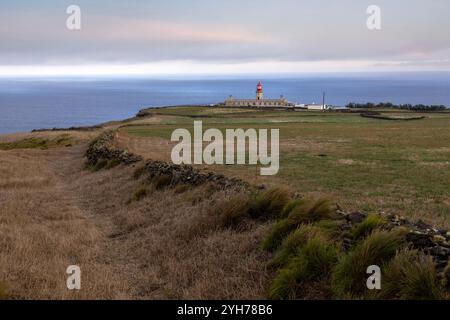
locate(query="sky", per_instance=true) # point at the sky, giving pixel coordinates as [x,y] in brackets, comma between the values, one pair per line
[222,37]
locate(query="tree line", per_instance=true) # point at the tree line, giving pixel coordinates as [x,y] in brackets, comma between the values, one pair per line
[416,107]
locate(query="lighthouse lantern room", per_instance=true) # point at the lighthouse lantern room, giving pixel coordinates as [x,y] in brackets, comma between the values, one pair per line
[259,91]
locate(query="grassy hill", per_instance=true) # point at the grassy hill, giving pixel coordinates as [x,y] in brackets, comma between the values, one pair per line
[140,236]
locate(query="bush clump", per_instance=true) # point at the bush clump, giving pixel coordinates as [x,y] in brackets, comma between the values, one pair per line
[411,275]
[293,243]
[312,211]
[349,276]
[304,212]
[269,204]
[290,206]
[372,222]
[234,211]
[313,261]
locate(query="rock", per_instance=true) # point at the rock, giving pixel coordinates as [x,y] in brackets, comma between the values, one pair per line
[422,225]
[356,217]
[440,251]
[419,240]
[101,148]
[184,174]
[438,239]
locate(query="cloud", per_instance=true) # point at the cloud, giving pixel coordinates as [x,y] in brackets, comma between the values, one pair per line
[415,34]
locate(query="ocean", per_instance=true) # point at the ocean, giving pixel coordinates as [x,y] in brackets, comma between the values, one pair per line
[35,103]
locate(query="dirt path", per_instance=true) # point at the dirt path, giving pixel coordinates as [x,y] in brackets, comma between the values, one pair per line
[55,213]
[44,228]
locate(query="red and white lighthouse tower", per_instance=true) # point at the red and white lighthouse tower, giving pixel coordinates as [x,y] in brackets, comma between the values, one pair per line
[259,91]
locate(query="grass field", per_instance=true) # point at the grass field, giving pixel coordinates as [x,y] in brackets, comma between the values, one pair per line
[136,239]
[361,163]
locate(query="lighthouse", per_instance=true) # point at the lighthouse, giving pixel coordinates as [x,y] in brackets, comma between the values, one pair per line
[259,91]
[259,102]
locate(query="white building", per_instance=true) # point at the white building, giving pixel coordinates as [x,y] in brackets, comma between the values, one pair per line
[259,102]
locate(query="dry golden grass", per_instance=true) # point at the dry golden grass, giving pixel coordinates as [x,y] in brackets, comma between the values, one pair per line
[55,214]
[43,231]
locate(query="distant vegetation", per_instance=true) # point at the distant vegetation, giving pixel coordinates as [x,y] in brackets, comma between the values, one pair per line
[388,105]
[37,143]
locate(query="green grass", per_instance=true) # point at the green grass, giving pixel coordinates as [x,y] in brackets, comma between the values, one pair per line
[349,276]
[37,143]
[306,211]
[269,204]
[372,222]
[293,243]
[315,260]
[396,166]
[410,276]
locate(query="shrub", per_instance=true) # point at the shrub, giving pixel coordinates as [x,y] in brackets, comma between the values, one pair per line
[233,211]
[372,222]
[411,275]
[270,204]
[349,276]
[293,243]
[315,260]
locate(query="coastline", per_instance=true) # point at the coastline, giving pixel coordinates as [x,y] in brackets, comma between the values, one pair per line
[194,232]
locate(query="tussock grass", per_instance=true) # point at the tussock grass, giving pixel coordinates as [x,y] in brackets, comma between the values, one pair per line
[330,227]
[411,275]
[269,204]
[312,211]
[275,237]
[290,206]
[372,222]
[306,211]
[349,276]
[314,261]
[233,211]
[293,243]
